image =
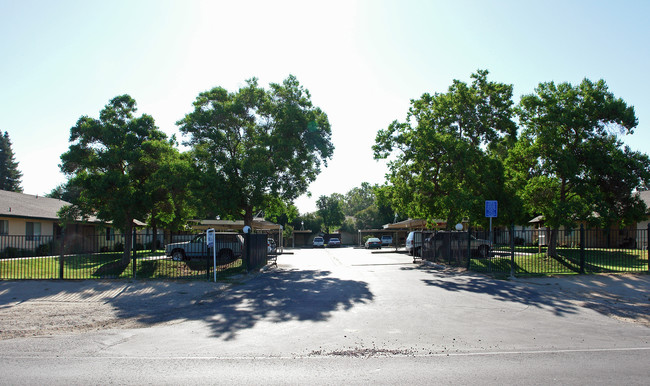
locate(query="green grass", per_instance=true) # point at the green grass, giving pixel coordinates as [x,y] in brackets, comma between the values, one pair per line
[528,261]
[108,265]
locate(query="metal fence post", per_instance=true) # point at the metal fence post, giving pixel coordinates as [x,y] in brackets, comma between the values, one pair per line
[512,250]
[582,248]
[133,244]
[469,246]
[247,249]
[61,256]
[647,246]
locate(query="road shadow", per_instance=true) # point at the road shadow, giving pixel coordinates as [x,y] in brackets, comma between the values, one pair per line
[619,296]
[276,296]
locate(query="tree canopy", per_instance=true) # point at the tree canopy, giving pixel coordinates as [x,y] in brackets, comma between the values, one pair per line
[110,159]
[10,175]
[255,145]
[569,163]
[331,211]
[445,159]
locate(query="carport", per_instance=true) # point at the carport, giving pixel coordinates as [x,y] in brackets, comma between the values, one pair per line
[398,230]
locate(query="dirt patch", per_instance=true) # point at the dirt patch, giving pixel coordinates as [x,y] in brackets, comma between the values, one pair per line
[37,308]
[37,318]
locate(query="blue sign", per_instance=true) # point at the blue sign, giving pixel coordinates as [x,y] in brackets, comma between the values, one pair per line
[209,240]
[491,208]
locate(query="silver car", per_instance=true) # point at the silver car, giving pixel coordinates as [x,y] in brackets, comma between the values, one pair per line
[229,246]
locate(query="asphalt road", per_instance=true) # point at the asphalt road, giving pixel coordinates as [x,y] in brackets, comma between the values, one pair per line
[348,316]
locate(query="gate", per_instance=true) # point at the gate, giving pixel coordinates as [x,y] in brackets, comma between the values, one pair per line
[453,248]
[255,251]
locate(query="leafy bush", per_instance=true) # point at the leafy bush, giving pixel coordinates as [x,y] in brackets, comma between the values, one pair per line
[44,249]
[10,252]
[365,238]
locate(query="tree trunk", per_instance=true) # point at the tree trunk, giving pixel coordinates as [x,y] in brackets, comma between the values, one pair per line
[248,216]
[552,243]
[154,231]
[154,240]
[128,241]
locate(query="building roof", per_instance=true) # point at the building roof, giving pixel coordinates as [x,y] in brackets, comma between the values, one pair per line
[23,205]
[14,204]
[407,224]
[232,225]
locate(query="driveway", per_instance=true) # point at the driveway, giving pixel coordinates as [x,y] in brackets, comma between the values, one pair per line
[326,317]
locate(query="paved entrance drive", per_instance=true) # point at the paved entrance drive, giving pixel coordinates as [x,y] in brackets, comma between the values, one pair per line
[330,316]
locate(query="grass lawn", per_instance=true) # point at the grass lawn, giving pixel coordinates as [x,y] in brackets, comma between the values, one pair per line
[528,261]
[150,265]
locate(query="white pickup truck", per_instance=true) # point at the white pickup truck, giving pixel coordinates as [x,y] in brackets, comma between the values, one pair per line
[229,246]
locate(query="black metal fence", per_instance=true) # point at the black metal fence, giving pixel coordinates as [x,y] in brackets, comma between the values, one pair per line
[530,252]
[177,256]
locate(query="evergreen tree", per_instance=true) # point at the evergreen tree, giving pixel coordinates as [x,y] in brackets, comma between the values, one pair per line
[9,174]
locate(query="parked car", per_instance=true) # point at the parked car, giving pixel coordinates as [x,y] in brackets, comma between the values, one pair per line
[334,242]
[373,242]
[319,242]
[386,240]
[439,243]
[229,246]
[414,243]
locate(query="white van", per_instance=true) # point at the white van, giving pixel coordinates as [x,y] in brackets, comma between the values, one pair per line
[414,243]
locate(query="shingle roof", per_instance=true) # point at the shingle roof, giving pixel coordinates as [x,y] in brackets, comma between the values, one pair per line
[26,205]
[14,204]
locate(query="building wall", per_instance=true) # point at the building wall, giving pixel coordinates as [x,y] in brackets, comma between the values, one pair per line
[18,226]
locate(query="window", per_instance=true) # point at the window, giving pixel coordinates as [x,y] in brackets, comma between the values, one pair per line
[33,231]
[4,227]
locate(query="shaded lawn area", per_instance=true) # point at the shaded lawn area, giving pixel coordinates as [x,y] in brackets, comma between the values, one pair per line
[528,261]
[108,265]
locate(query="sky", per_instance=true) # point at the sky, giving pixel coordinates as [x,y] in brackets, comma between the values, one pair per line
[362,61]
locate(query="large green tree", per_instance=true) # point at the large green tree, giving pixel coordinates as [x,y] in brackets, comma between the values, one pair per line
[369,205]
[330,209]
[256,145]
[168,188]
[9,174]
[358,199]
[445,160]
[569,162]
[110,160]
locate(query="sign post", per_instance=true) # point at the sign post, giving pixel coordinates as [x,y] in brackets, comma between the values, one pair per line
[209,240]
[491,211]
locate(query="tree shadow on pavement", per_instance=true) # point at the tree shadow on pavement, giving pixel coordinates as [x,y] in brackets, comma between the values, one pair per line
[454,280]
[278,296]
[622,296]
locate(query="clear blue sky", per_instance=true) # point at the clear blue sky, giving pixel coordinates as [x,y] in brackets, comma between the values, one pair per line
[361,60]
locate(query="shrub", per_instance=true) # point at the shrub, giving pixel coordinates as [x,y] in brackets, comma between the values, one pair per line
[10,252]
[43,249]
[365,238]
